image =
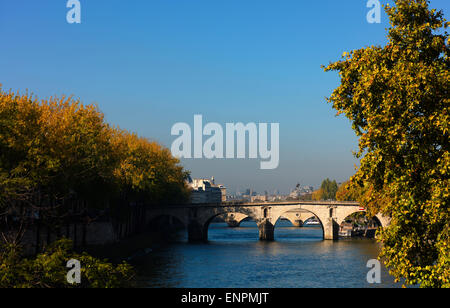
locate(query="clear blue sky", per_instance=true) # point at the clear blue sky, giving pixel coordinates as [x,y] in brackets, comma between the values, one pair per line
[149,64]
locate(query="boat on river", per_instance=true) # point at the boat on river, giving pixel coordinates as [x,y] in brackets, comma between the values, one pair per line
[312,222]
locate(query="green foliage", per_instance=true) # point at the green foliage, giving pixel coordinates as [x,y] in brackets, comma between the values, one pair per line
[48,270]
[327,191]
[397,98]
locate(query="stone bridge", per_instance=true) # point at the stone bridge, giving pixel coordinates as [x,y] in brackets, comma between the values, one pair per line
[197,218]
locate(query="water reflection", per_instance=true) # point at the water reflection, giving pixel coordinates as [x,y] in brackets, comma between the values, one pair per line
[236,258]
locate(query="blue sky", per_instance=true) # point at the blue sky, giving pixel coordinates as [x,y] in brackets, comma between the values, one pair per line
[149,64]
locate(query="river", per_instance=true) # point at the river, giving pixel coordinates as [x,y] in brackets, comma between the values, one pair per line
[235,258]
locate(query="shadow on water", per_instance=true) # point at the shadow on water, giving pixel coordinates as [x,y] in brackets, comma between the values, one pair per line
[234,257]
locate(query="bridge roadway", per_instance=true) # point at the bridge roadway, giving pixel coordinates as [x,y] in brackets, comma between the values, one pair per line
[197,217]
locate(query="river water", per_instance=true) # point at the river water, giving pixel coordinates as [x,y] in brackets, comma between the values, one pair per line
[235,258]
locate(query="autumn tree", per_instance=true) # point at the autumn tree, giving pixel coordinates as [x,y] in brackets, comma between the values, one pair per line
[397,98]
[346,192]
[327,191]
[19,127]
[59,160]
[147,171]
[317,195]
[61,164]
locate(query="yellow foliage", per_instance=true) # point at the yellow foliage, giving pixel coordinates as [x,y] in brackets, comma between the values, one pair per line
[60,149]
[397,100]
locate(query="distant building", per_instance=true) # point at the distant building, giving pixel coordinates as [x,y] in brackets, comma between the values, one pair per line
[259,198]
[301,191]
[206,191]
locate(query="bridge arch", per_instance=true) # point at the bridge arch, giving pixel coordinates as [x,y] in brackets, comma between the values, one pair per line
[297,218]
[371,223]
[325,213]
[198,228]
[305,213]
[381,220]
[233,220]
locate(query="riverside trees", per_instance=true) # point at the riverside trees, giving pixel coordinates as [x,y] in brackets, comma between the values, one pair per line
[327,191]
[60,160]
[397,98]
